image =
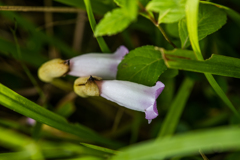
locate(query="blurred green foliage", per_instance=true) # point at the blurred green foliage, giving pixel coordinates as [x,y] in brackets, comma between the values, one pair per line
[187,104]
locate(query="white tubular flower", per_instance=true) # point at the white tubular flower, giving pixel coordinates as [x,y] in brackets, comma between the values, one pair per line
[132,95]
[127,94]
[97,64]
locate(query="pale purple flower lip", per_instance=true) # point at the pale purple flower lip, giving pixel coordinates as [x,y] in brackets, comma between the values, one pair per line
[132,95]
[97,64]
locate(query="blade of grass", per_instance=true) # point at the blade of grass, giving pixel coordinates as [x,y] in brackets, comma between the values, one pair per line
[92,21]
[13,155]
[37,127]
[99,148]
[14,101]
[176,108]
[222,139]
[192,15]
[19,142]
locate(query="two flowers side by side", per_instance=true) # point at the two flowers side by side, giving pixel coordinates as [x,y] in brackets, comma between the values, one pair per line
[92,68]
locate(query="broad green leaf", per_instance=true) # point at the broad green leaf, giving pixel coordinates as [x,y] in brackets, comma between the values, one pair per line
[169,11]
[14,101]
[175,111]
[222,139]
[92,21]
[129,7]
[191,15]
[99,6]
[112,23]
[210,19]
[231,13]
[143,65]
[216,64]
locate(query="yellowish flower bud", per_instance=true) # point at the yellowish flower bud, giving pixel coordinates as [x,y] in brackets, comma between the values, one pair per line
[53,69]
[86,86]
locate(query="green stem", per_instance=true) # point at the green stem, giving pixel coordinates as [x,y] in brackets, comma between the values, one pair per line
[30,76]
[152,19]
[92,22]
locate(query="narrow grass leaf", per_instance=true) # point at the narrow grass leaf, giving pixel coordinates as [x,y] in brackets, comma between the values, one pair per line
[192,14]
[221,139]
[19,142]
[14,101]
[175,111]
[143,65]
[100,148]
[92,21]
[9,49]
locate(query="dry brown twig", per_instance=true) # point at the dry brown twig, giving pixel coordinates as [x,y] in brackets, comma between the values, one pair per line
[39,9]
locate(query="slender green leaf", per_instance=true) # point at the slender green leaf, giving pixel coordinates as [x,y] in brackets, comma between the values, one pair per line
[169,11]
[87,158]
[9,49]
[192,26]
[221,93]
[100,148]
[14,101]
[216,64]
[210,19]
[13,155]
[176,108]
[19,142]
[92,21]
[225,138]
[143,65]
[192,14]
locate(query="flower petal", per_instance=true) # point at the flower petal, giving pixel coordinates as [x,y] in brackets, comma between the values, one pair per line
[97,64]
[132,95]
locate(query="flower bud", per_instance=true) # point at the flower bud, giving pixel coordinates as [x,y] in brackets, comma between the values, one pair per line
[86,86]
[53,69]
